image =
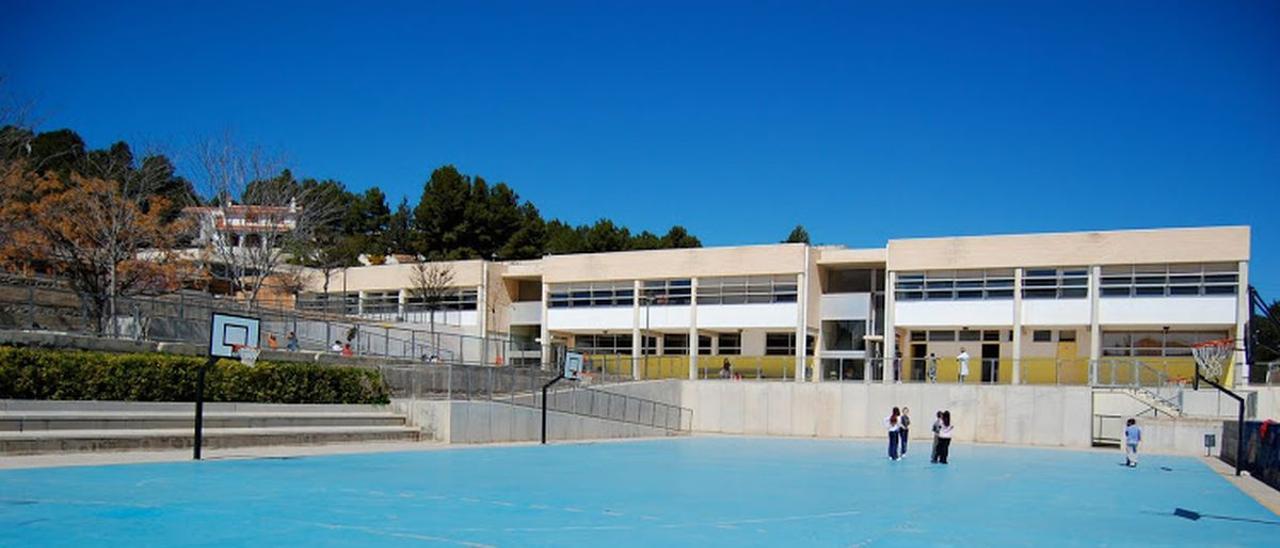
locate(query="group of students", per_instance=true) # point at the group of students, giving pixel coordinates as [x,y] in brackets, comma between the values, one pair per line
[898,424]
[291,341]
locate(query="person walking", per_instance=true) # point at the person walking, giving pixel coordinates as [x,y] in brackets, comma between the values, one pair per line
[726,370]
[1132,437]
[931,365]
[904,431]
[963,360]
[944,437]
[291,342]
[893,424]
[936,428]
[272,343]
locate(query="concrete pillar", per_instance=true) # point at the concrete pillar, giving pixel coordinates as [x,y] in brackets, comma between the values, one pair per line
[693,329]
[1017,326]
[637,341]
[1243,309]
[544,334]
[802,326]
[890,341]
[1095,328]
[402,303]
[360,296]
[482,308]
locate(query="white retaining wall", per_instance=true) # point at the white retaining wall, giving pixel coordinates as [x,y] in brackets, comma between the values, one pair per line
[494,422]
[1053,416]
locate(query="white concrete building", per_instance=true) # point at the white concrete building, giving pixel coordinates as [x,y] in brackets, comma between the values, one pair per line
[1068,308]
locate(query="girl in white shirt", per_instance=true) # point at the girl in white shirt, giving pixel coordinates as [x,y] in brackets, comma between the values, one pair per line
[893,423]
[944,437]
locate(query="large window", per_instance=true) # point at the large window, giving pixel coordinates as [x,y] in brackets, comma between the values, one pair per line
[1173,280]
[1155,343]
[592,294]
[859,280]
[784,344]
[462,299]
[1055,283]
[603,344]
[675,344]
[341,303]
[667,292]
[747,289]
[730,344]
[844,334]
[955,285]
[381,302]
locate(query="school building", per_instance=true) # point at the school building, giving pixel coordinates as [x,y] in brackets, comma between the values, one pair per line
[1061,308]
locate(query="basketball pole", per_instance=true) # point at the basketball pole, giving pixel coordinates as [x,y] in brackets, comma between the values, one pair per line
[544,404]
[199,434]
[1239,415]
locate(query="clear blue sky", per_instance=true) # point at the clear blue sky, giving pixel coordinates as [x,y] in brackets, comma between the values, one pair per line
[866,122]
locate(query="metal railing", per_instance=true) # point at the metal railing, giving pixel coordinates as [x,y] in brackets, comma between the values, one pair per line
[45,304]
[591,397]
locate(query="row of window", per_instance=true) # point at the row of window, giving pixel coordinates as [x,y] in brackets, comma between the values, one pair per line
[747,289]
[1155,343]
[727,290]
[1170,280]
[955,284]
[1071,282]
[950,335]
[387,302]
[675,344]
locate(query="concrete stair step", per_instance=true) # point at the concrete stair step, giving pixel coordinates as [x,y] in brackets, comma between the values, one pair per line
[63,441]
[24,421]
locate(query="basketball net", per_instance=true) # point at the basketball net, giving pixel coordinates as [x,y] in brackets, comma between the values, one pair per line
[1212,357]
[248,354]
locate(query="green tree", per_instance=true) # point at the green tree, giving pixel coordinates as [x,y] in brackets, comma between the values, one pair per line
[678,238]
[530,241]
[603,236]
[441,215]
[647,240]
[563,239]
[399,235]
[798,236]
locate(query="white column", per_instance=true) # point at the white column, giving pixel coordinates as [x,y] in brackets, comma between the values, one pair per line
[1243,309]
[402,303]
[1017,326]
[890,340]
[802,325]
[482,308]
[693,329]
[636,335]
[360,296]
[544,334]
[1095,329]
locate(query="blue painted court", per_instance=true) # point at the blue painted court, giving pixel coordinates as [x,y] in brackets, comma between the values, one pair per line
[710,491]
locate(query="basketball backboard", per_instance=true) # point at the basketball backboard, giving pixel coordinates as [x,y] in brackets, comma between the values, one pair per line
[573,363]
[230,332]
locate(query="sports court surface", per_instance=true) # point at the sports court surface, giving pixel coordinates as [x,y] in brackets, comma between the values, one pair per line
[708,491]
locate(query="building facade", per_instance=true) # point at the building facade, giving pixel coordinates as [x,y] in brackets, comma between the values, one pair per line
[1086,307]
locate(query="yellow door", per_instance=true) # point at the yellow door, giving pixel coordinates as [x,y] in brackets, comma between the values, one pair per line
[1070,368]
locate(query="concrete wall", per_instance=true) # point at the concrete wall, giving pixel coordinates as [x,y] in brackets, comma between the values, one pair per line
[494,422]
[1053,416]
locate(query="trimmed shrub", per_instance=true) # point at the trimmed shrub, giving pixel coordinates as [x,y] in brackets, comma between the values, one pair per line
[39,374]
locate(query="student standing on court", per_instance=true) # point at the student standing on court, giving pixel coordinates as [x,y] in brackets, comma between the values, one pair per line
[936,428]
[1132,437]
[944,438]
[931,364]
[963,359]
[892,424]
[905,430]
[291,342]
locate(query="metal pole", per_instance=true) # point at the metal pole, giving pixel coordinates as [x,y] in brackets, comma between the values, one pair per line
[544,405]
[199,434]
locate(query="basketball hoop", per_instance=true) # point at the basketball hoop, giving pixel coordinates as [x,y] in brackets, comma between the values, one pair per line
[248,355]
[1212,358]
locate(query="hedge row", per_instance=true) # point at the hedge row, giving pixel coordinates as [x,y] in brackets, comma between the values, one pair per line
[40,374]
